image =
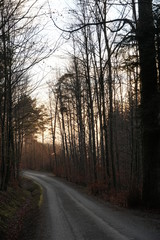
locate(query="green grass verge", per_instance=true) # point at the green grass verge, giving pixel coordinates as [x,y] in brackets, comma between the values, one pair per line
[18,207]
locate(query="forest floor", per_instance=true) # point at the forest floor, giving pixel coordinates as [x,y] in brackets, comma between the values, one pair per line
[19,210]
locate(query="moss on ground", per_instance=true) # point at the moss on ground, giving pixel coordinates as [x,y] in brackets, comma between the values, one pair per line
[19,209]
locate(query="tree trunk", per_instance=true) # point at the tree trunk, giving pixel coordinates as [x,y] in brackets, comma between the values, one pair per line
[150,105]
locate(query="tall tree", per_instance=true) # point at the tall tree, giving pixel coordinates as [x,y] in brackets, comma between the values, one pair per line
[150,104]
[18,54]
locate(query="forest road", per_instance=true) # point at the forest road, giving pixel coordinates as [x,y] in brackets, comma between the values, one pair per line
[70,214]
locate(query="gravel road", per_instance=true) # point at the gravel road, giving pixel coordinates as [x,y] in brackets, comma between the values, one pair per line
[70,214]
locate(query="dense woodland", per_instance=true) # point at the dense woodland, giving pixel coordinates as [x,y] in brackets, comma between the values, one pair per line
[104,110]
[21,48]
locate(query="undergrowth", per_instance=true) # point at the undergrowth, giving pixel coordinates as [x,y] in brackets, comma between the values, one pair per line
[123,198]
[18,205]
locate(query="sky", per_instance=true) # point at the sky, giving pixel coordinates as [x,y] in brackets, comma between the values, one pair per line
[47,70]
[56,64]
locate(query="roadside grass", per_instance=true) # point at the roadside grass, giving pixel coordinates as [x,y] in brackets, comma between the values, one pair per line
[19,208]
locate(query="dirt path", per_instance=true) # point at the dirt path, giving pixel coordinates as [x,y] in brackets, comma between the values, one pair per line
[70,214]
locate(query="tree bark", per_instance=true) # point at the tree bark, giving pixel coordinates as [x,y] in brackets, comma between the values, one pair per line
[150,105]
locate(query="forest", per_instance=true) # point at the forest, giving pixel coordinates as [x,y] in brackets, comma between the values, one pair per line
[103,110]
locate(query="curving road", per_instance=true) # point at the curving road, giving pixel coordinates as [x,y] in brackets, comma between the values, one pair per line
[70,214]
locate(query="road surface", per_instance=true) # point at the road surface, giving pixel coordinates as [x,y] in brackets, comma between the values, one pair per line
[70,214]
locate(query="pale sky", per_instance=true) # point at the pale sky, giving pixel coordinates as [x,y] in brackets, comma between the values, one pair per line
[58,62]
[47,69]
